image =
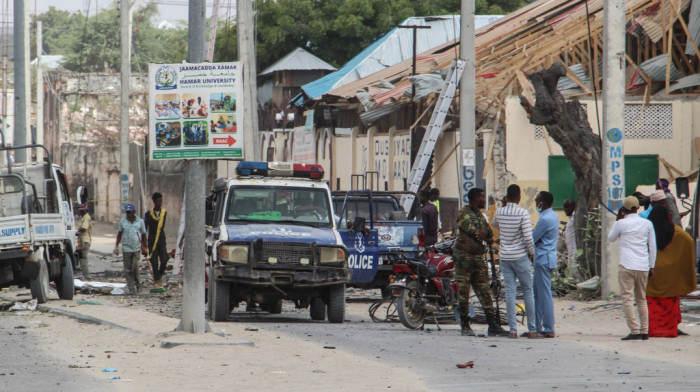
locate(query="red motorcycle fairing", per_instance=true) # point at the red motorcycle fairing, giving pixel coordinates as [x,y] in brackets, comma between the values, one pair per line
[443,263]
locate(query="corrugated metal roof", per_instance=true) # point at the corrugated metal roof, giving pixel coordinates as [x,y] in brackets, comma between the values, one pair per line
[686,82]
[393,48]
[298,60]
[566,83]
[693,26]
[656,68]
[50,61]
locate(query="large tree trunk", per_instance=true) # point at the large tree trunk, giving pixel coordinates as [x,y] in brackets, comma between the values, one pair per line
[567,124]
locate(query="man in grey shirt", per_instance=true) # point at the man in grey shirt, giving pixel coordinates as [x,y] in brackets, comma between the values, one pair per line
[516,253]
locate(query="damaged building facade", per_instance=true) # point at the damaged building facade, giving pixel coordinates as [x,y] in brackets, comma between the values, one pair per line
[374,123]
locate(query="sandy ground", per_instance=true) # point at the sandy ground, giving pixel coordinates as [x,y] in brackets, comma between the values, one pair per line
[236,356]
[255,359]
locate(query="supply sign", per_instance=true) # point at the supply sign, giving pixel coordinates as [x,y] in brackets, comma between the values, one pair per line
[195,111]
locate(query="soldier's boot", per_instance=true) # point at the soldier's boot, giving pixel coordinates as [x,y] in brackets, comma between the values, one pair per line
[494,328]
[466,328]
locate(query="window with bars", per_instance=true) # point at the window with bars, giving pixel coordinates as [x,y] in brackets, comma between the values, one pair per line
[649,121]
[641,122]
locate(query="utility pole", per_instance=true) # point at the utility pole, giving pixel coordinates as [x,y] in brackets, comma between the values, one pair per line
[614,138]
[125,33]
[193,319]
[39,94]
[246,55]
[413,65]
[21,88]
[467,88]
[212,30]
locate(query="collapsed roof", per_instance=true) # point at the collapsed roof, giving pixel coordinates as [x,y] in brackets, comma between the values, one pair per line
[534,37]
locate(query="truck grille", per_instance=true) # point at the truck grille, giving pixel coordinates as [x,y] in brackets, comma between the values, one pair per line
[286,252]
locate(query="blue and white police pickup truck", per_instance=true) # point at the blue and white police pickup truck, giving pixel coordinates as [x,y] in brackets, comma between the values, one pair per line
[271,236]
[389,231]
[37,228]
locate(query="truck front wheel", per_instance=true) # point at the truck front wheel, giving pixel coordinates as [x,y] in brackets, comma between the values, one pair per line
[336,303]
[64,283]
[221,300]
[39,286]
[317,309]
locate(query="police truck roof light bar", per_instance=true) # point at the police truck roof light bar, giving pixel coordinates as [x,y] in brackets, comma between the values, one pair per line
[280,169]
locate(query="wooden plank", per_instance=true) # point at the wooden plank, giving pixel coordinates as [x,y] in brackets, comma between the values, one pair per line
[571,75]
[685,28]
[526,87]
[669,54]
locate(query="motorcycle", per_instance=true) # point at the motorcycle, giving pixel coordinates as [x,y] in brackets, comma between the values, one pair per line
[425,287]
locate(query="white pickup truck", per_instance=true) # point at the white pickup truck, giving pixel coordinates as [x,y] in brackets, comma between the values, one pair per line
[37,227]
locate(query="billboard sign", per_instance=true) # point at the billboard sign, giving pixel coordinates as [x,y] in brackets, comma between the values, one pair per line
[195,111]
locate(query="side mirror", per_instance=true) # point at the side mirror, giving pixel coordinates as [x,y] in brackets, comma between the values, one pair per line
[682,189]
[209,217]
[359,224]
[49,187]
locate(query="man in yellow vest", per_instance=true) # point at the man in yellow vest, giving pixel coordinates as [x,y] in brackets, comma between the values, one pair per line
[157,249]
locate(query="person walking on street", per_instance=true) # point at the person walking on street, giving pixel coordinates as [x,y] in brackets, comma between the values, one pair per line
[674,275]
[430,218]
[516,253]
[570,237]
[85,238]
[470,266]
[157,249]
[545,236]
[133,232]
[637,259]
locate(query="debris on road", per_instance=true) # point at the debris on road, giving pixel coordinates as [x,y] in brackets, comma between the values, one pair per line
[469,364]
[109,370]
[29,305]
[329,347]
[86,302]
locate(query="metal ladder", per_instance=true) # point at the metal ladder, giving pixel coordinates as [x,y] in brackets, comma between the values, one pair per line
[442,106]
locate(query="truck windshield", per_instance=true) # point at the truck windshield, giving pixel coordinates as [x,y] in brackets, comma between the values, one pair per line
[385,208]
[288,205]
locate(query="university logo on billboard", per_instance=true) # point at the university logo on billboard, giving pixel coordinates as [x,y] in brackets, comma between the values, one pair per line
[166,78]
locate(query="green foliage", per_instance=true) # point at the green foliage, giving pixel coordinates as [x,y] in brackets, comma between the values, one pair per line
[92,44]
[334,30]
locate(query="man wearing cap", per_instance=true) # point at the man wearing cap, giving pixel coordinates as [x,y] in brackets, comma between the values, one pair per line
[133,231]
[637,259]
[85,239]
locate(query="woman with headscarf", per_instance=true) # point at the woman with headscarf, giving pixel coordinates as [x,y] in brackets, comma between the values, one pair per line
[662,184]
[674,275]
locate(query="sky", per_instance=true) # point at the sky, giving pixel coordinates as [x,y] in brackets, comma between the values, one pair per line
[170,10]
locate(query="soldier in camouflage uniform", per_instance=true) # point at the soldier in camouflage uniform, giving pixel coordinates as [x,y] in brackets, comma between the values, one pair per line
[470,265]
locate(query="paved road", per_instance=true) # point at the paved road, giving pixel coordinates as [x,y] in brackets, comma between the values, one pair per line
[28,365]
[501,363]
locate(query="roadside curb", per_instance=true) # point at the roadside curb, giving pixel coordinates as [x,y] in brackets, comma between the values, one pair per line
[84,318]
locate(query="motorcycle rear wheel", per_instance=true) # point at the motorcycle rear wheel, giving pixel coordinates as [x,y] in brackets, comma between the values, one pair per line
[406,306]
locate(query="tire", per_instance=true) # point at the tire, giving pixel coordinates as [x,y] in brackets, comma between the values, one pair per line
[39,286]
[336,304]
[276,307]
[411,318]
[64,283]
[317,310]
[221,300]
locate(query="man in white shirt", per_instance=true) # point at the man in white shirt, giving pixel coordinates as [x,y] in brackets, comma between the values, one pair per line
[570,237]
[516,253]
[637,259]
